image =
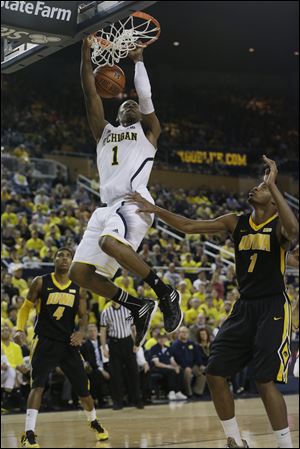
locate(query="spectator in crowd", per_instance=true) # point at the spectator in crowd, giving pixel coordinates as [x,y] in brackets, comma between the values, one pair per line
[153,340]
[201,280]
[41,197]
[164,364]
[200,324]
[30,260]
[34,243]
[187,355]
[48,250]
[15,361]
[191,315]
[145,253]
[190,264]
[97,371]
[229,281]
[227,250]
[124,279]
[156,256]
[9,216]
[117,328]
[17,279]
[8,287]
[171,277]
[185,294]
[8,381]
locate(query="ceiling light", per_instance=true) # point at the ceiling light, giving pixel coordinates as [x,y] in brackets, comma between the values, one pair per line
[251,50]
[296,53]
[176,44]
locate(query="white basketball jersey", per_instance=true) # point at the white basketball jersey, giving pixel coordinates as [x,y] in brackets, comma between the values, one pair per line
[124,159]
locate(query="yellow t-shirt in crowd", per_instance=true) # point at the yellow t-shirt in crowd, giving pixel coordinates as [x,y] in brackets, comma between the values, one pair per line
[21,284]
[191,315]
[218,303]
[71,222]
[119,281]
[200,296]
[150,293]
[13,353]
[185,297]
[35,244]
[45,251]
[190,264]
[10,217]
[158,319]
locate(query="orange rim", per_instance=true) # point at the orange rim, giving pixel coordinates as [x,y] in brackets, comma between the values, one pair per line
[145,16]
[141,15]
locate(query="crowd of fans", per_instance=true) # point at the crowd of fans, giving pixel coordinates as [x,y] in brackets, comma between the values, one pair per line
[39,217]
[229,122]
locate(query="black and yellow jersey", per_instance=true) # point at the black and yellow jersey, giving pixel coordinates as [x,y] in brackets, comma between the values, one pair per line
[57,309]
[260,260]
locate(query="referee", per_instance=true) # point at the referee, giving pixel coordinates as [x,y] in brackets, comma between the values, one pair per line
[117,328]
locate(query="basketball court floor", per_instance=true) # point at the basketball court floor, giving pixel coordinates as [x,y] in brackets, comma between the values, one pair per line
[176,425]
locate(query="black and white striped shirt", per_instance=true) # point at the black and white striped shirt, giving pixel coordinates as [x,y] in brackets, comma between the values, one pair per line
[116,323]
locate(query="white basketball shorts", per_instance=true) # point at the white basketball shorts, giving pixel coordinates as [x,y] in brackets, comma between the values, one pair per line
[119,221]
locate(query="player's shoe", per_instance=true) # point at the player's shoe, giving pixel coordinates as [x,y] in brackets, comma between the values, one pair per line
[231,443]
[101,433]
[28,439]
[142,318]
[170,307]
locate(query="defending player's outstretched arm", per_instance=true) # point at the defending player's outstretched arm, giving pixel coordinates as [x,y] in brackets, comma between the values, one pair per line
[289,226]
[225,223]
[93,102]
[143,88]
[22,318]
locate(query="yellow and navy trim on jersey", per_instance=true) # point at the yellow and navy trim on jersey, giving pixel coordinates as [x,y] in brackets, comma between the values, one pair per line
[284,351]
[256,227]
[58,284]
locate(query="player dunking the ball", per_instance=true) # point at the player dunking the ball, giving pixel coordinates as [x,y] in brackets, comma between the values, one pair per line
[259,325]
[125,156]
[56,342]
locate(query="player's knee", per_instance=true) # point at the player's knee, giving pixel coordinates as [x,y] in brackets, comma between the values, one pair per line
[211,380]
[79,273]
[188,370]
[215,381]
[263,385]
[38,391]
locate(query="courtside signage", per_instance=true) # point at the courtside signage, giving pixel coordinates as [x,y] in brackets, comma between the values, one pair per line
[209,157]
[48,17]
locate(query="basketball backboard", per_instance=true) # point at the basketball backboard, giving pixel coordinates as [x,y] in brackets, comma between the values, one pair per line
[27,34]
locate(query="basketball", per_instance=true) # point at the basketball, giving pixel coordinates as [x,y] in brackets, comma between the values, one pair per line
[110,81]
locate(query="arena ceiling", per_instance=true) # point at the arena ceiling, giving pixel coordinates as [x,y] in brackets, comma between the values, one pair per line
[217,35]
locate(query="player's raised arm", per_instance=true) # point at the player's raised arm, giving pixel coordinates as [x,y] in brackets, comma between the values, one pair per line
[143,89]
[288,222]
[225,223]
[293,258]
[93,102]
[22,318]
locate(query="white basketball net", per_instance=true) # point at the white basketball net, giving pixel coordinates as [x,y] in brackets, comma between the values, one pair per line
[111,45]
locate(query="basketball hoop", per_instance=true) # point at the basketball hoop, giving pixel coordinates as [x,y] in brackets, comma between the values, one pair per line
[114,43]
